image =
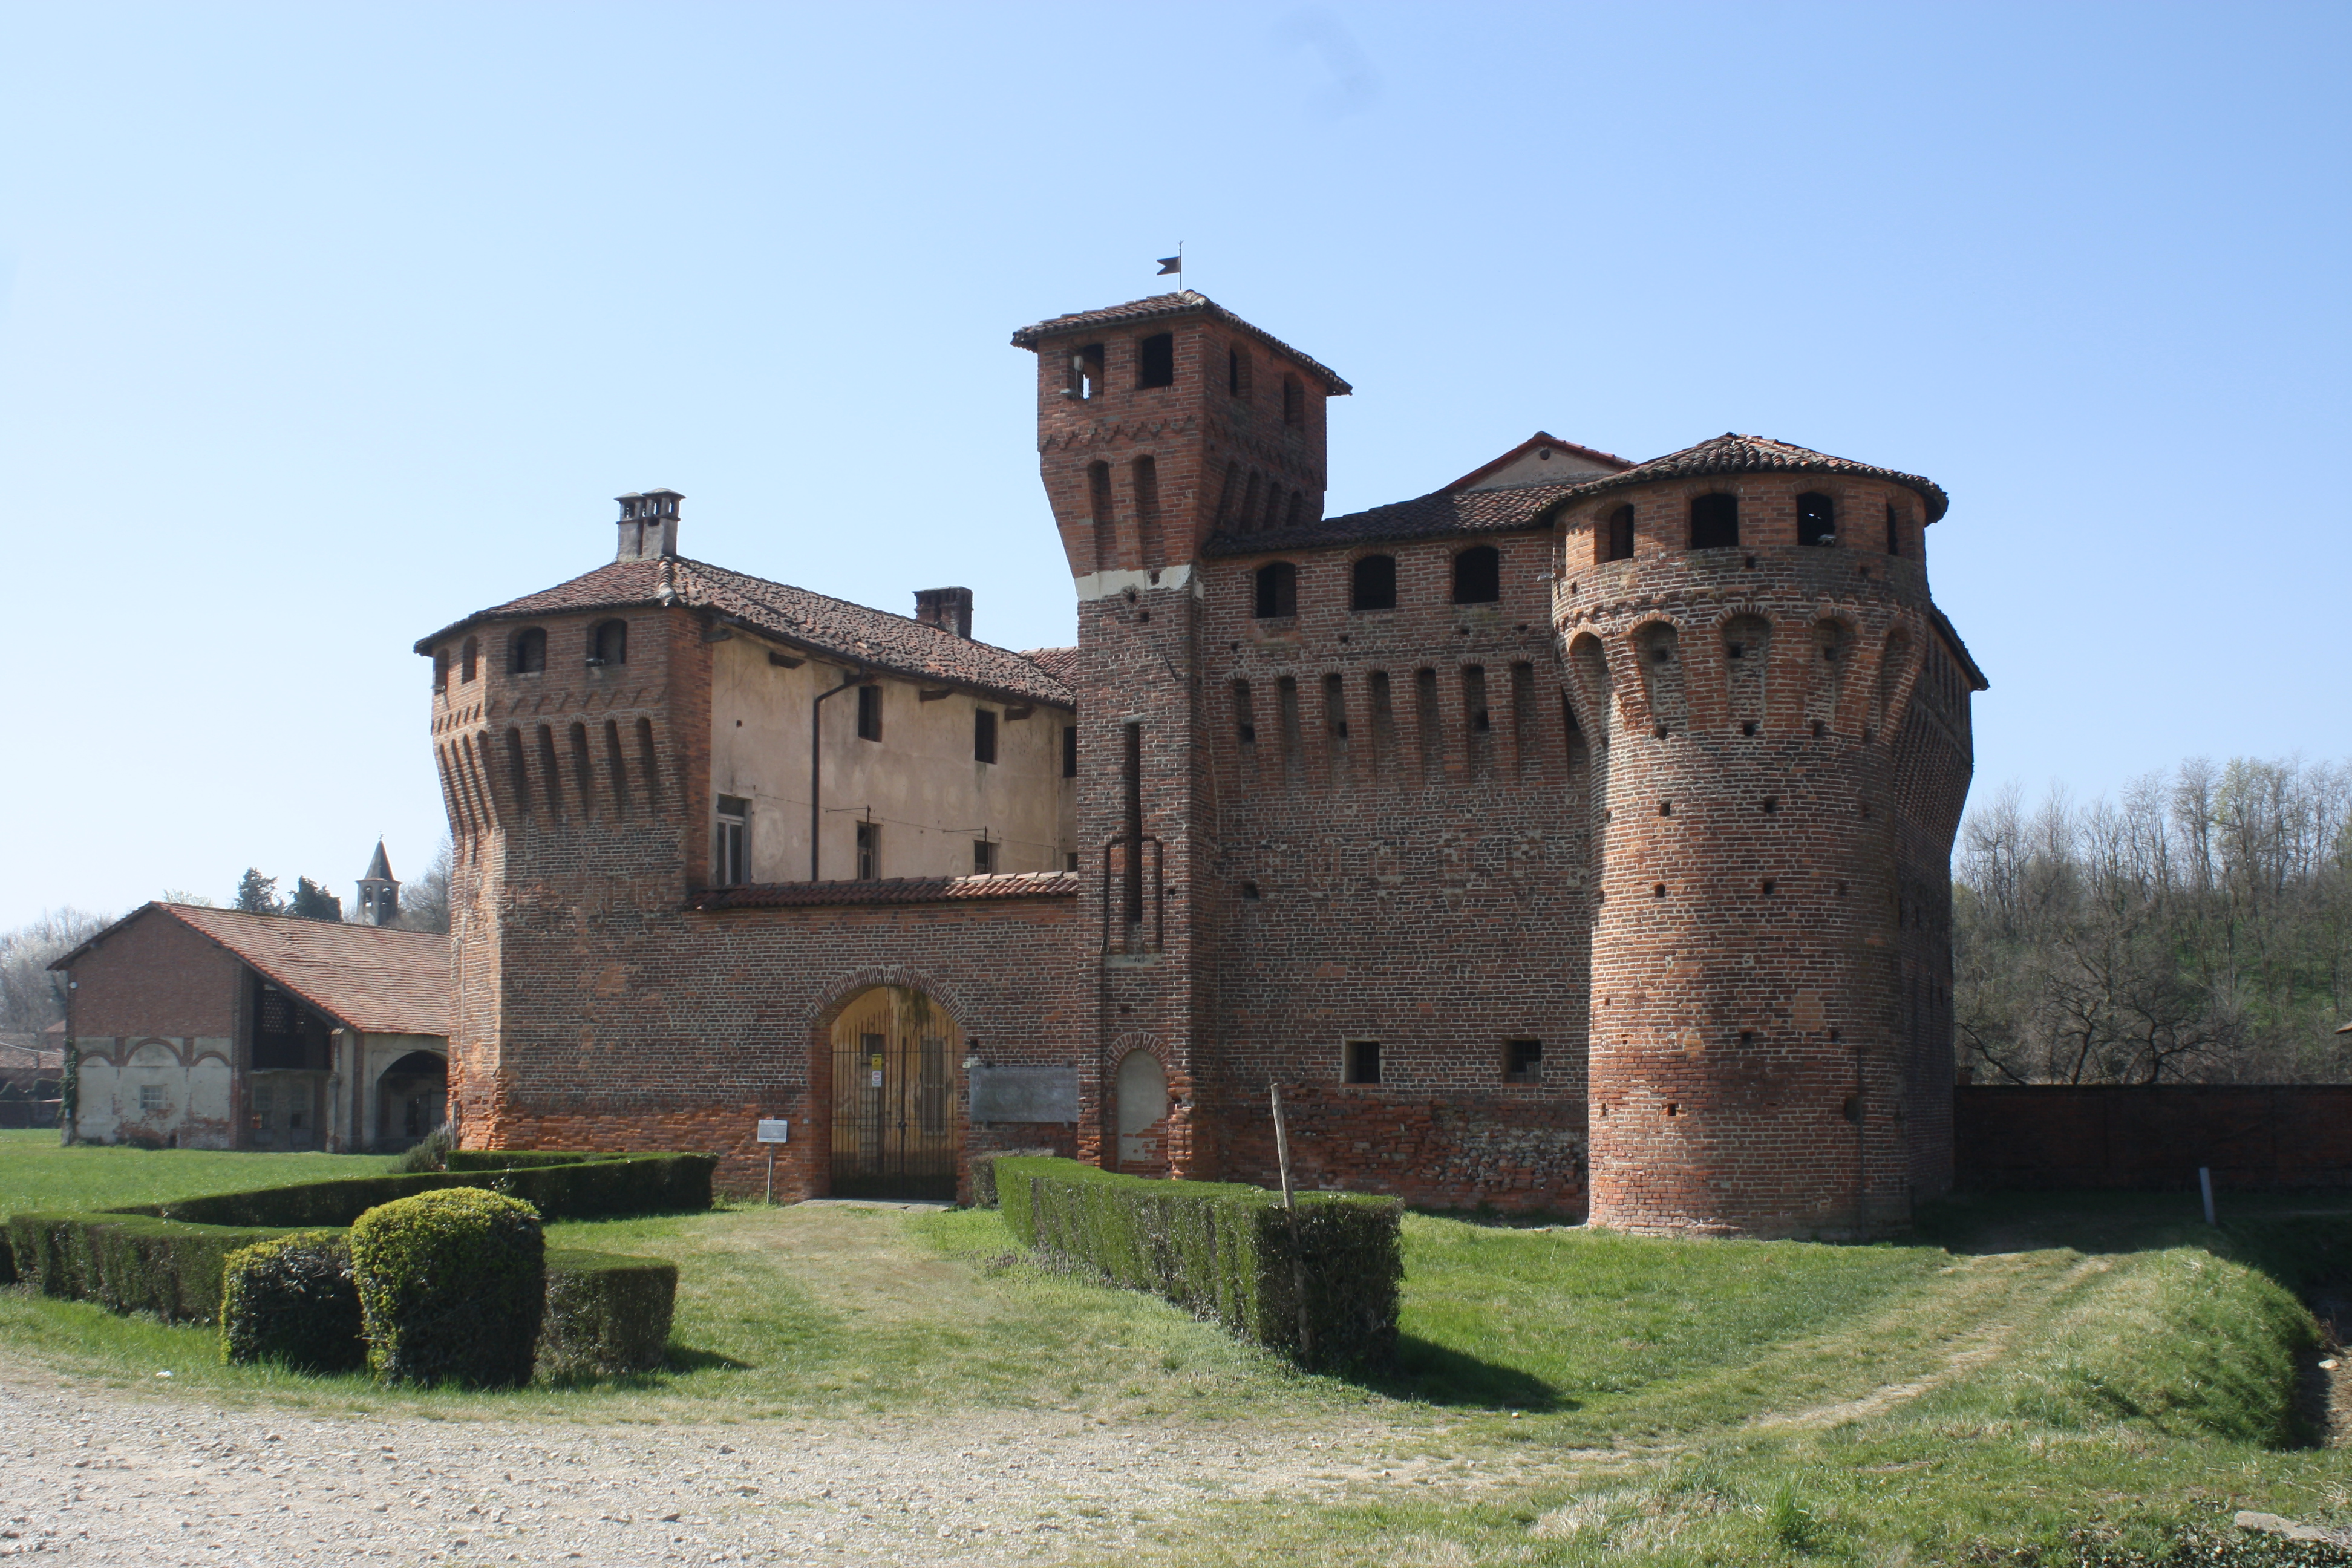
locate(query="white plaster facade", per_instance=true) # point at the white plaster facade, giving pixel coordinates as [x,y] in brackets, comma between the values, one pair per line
[919,785]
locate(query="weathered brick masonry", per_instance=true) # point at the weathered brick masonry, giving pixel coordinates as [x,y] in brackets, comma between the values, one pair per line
[1543,858]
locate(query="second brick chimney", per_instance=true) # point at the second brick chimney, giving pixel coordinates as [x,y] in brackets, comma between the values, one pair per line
[950,610]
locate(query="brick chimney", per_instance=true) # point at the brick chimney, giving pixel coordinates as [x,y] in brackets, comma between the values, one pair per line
[950,610]
[648,525]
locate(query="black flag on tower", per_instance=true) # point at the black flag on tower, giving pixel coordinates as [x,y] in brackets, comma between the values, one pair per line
[1171,264]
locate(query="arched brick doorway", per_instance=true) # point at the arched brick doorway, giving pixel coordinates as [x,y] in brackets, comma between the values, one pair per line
[411,1099]
[895,1055]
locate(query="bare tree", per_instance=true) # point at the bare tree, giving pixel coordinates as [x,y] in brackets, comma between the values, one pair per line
[425,902]
[31,998]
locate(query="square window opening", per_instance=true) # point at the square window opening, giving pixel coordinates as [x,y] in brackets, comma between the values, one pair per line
[1522,1061]
[1359,1062]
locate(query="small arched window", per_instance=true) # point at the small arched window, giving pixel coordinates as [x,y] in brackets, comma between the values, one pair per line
[466,657]
[526,655]
[609,643]
[441,671]
[1237,372]
[1816,520]
[1618,542]
[1715,522]
[1894,530]
[1277,590]
[1374,583]
[1477,576]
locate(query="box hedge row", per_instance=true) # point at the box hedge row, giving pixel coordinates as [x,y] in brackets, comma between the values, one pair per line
[131,1263]
[606,1314]
[293,1301]
[1225,1251]
[452,1287]
[568,1186]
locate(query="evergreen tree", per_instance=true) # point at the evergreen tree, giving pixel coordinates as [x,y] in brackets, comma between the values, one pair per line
[313,902]
[255,894]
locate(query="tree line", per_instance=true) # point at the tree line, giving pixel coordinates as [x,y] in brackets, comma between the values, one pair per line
[31,998]
[2197,930]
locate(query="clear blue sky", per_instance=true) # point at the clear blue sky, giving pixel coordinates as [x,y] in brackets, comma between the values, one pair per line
[320,326]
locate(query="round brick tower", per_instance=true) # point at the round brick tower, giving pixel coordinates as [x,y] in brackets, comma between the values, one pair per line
[1779,723]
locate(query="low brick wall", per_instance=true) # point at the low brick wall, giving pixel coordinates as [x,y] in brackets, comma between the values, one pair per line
[2255,1136]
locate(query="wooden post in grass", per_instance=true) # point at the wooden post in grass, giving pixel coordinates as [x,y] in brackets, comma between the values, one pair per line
[1290,1218]
[2205,1184]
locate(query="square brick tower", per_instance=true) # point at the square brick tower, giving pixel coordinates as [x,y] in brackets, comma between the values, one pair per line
[1158,422]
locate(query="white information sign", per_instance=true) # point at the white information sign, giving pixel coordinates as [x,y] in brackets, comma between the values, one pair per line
[776,1132]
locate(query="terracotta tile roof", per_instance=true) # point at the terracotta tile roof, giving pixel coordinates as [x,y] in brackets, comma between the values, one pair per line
[1734,454]
[1183,303]
[1061,663]
[369,977]
[890,890]
[1425,517]
[20,1054]
[1455,511]
[1540,438]
[795,616]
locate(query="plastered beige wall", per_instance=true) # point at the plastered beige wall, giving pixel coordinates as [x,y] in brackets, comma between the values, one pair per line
[919,782]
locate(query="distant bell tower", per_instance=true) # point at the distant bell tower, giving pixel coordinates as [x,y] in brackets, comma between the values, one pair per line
[379,891]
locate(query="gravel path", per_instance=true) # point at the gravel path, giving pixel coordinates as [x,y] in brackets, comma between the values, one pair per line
[99,1475]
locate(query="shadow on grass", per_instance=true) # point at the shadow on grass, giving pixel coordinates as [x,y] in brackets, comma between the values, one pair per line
[1436,1374]
[685,1358]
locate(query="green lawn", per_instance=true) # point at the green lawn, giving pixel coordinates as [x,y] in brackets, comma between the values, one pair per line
[35,1172]
[1564,1395]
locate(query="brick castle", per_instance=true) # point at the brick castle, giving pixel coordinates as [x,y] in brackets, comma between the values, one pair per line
[1574,838]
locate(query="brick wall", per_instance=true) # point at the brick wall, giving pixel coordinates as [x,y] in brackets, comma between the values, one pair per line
[1767,835]
[2152,1139]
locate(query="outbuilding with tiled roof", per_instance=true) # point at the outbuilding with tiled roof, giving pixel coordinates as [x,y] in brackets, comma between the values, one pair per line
[191,1026]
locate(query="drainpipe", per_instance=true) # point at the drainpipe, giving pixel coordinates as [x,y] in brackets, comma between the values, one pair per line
[816,762]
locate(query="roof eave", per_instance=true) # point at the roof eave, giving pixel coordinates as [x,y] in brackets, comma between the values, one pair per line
[1035,336]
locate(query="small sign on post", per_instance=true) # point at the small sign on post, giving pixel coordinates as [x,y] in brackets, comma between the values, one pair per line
[773,1130]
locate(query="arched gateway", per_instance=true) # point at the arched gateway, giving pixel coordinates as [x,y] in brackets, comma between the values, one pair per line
[894,1125]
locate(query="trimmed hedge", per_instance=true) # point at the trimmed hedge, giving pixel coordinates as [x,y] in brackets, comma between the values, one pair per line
[606,1313]
[452,1287]
[293,1301]
[1224,1251]
[130,1262]
[983,1173]
[570,1186]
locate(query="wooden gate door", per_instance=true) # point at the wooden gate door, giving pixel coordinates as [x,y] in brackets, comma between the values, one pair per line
[894,1125]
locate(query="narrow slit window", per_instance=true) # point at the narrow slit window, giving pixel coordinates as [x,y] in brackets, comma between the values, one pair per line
[1069,750]
[869,713]
[1098,509]
[1131,824]
[1478,575]
[1294,401]
[1372,585]
[1427,724]
[549,777]
[1245,715]
[1277,590]
[1334,706]
[869,851]
[1383,718]
[649,762]
[983,735]
[1237,372]
[617,765]
[1359,1062]
[1715,522]
[1816,520]
[1155,360]
[1143,475]
[1474,699]
[1894,530]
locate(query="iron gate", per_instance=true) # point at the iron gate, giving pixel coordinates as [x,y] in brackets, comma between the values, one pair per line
[893,1116]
